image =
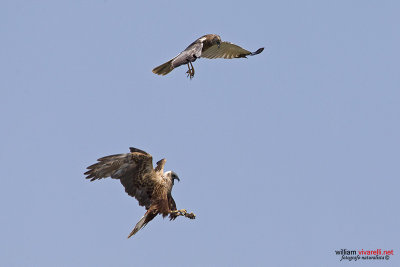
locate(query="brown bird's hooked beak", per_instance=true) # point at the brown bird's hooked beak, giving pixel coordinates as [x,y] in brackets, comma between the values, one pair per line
[175,177]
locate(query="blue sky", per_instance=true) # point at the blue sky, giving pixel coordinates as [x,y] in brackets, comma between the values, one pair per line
[285,157]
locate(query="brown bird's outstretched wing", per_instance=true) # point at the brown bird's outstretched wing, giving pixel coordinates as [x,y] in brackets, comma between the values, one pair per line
[134,170]
[160,166]
[228,50]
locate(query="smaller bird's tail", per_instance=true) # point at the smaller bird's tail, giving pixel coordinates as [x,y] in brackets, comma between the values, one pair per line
[148,216]
[164,68]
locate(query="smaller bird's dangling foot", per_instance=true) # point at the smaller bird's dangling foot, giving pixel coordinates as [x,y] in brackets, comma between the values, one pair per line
[190,71]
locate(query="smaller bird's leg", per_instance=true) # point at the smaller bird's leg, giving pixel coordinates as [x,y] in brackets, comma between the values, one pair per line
[190,71]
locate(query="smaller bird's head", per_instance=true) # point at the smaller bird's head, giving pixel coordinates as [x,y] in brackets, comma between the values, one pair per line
[216,40]
[172,176]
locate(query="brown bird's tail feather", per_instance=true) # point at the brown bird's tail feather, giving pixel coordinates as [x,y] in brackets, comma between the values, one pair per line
[164,68]
[148,216]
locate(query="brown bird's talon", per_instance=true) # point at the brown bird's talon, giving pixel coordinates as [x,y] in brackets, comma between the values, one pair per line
[191,216]
[175,212]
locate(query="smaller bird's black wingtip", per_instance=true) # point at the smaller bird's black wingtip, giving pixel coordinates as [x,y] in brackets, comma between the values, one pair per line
[258,51]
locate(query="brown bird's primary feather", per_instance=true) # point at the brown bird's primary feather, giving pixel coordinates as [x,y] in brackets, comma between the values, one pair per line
[207,46]
[150,186]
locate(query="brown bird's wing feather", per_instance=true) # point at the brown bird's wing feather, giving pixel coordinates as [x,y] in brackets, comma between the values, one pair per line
[134,170]
[160,166]
[228,50]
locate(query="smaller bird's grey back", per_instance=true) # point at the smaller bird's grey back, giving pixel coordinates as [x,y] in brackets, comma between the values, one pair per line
[190,54]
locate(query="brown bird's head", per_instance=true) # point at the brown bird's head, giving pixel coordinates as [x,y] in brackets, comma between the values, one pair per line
[172,176]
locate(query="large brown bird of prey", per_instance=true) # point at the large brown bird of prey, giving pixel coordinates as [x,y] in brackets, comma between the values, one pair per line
[208,46]
[151,187]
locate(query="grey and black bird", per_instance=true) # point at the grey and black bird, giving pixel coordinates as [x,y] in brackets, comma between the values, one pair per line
[207,46]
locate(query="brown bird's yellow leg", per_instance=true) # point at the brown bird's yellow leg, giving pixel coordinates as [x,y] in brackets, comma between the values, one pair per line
[184,213]
[175,213]
[178,212]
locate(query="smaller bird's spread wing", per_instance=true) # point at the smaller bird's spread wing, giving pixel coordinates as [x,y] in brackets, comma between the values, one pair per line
[228,50]
[134,170]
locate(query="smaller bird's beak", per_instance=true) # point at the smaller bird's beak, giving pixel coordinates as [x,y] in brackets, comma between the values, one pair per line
[178,179]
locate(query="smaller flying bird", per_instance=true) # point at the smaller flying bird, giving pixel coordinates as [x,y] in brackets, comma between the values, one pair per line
[208,46]
[151,187]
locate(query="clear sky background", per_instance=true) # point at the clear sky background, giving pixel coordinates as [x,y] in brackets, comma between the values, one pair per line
[284,157]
